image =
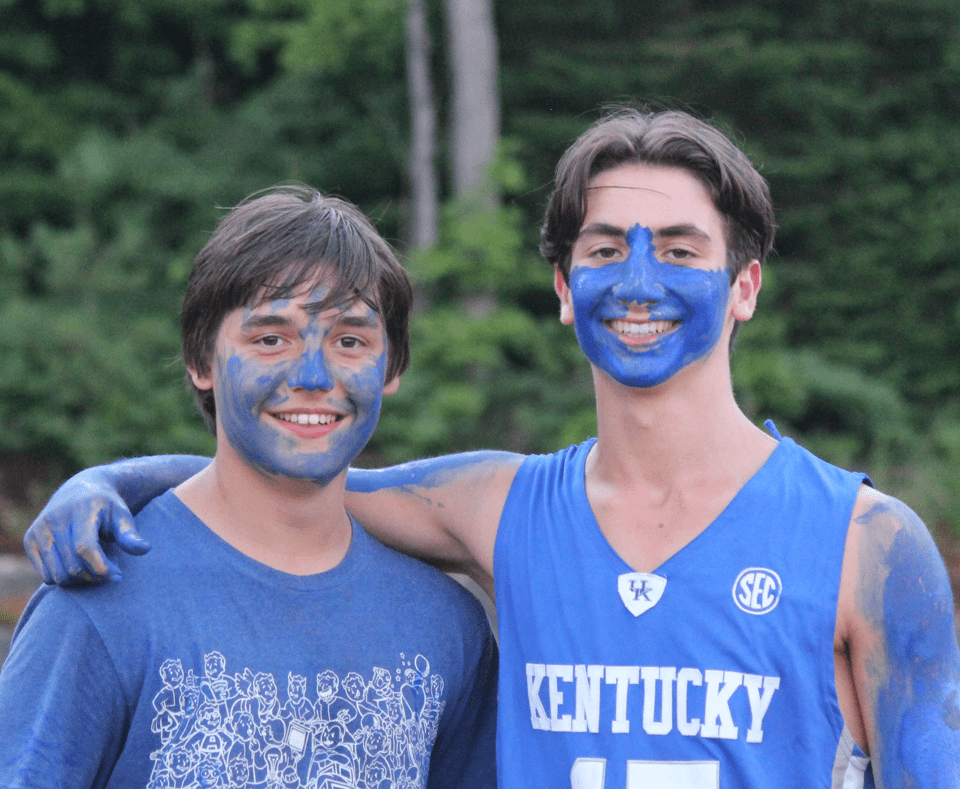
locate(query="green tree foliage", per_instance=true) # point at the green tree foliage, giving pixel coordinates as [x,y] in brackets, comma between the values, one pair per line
[118,153]
[123,125]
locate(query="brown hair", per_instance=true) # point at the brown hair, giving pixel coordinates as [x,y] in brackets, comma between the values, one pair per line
[278,243]
[671,139]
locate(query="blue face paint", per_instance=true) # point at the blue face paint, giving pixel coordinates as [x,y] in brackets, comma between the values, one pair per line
[250,389]
[692,300]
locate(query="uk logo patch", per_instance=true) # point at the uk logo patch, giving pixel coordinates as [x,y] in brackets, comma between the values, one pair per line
[640,591]
[757,590]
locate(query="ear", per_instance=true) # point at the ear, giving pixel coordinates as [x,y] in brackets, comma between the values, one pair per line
[746,288]
[200,381]
[391,386]
[566,300]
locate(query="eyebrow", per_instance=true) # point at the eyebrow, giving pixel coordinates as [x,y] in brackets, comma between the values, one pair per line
[261,321]
[602,229]
[358,321]
[267,321]
[686,230]
[682,231]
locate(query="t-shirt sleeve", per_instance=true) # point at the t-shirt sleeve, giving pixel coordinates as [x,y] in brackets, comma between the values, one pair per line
[62,711]
[464,754]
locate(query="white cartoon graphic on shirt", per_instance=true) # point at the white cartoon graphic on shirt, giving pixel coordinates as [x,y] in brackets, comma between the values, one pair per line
[223,731]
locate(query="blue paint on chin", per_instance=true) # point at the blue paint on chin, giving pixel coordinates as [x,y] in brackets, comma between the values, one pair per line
[694,301]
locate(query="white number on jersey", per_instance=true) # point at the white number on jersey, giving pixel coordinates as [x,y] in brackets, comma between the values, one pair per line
[591,773]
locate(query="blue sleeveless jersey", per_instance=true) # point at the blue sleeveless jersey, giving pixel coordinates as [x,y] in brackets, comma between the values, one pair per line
[716,670]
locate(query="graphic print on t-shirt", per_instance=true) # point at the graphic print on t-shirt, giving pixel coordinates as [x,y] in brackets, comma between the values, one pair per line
[235,730]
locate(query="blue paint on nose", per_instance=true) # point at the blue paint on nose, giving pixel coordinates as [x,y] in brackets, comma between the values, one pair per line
[311,372]
[640,272]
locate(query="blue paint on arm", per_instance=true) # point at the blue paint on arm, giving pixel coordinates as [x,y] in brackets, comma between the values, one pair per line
[97,504]
[140,480]
[917,718]
[429,473]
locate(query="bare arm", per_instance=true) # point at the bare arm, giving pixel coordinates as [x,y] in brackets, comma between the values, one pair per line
[443,510]
[897,615]
[64,541]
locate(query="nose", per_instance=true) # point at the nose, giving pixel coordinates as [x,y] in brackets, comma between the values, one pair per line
[311,372]
[640,280]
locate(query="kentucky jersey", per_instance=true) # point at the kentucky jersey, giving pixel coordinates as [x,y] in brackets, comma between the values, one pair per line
[716,670]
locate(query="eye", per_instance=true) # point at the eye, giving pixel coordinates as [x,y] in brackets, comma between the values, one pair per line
[349,341]
[270,341]
[606,253]
[678,254]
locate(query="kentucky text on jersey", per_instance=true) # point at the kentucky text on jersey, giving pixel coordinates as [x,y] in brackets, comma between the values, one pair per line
[710,703]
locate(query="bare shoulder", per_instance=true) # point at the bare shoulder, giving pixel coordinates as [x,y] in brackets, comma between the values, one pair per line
[896,622]
[445,510]
[889,546]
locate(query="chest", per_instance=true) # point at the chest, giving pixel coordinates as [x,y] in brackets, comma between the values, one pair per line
[646,528]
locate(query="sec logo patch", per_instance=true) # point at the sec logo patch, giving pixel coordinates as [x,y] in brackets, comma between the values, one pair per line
[757,590]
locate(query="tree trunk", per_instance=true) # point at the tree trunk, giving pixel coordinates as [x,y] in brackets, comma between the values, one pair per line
[423,126]
[476,107]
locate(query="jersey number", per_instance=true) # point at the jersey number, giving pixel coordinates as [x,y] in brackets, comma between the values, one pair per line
[591,773]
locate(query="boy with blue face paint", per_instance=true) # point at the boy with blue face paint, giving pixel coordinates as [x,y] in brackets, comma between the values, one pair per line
[684,601]
[294,326]
[689,302]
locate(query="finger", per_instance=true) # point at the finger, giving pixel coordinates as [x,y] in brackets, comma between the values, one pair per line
[36,553]
[54,567]
[126,534]
[93,565]
[80,553]
[89,560]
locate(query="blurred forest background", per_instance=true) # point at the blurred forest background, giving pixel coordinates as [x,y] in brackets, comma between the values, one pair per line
[127,125]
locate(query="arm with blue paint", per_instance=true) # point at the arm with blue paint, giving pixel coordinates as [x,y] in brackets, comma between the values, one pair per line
[98,504]
[896,617]
[443,510]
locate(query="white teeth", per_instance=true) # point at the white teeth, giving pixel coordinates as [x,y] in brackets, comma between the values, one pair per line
[307,419]
[642,328]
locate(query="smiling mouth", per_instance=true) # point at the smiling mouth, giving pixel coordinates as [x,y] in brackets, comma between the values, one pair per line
[641,329]
[309,419]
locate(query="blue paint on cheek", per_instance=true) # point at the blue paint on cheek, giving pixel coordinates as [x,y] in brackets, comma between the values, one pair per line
[365,395]
[694,299]
[244,389]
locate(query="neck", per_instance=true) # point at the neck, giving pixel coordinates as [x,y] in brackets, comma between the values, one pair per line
[292,525]
[683,429]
